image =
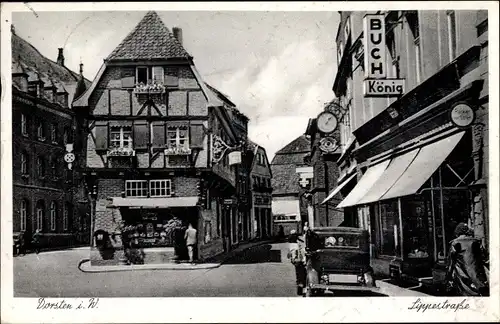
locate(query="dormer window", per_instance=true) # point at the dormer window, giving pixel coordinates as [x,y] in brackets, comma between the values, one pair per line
[142,75]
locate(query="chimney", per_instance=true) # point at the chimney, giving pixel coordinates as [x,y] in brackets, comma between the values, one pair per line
[81,68]
[177,33]
[60,57]
[13,29]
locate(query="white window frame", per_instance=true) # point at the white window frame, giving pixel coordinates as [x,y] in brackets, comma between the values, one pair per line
[452,34]
[162,74]
[132,188]
[39,217]
[40,167]
[24,125]
[347,29]
[124,143]
[157,184]
[24,163]
[418,59]
[340,52]
[23,212]
[65,216]
[178,138]
[53,133]
[40,131]
[53,216]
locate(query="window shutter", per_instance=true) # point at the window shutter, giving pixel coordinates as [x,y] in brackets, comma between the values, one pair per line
[197,135]
[158,134]
[141,135]
[101,135]
[172,77]
[128,77]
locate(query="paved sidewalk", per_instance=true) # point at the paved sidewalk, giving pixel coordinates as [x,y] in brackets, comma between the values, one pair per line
[390,289]
[210,263]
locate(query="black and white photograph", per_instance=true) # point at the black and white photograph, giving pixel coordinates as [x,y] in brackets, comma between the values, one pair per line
[324,156]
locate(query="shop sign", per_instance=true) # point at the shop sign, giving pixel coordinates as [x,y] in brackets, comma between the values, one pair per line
[383,87]
[462,115]
[374,46]
[234,158]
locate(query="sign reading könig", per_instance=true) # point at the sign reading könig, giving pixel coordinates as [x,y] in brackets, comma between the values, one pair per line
[376,84]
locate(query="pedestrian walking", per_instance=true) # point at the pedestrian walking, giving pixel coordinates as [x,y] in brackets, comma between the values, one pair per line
[36,241]
[466,274]
[297,256]
[190,237]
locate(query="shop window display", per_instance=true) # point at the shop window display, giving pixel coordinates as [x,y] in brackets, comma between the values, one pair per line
[389,228]
[416,229]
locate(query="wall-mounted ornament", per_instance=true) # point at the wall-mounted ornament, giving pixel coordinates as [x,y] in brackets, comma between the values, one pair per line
[69,157]
[219,148]
[328,144]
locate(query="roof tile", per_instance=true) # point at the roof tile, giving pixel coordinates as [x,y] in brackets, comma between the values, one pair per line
[150,39]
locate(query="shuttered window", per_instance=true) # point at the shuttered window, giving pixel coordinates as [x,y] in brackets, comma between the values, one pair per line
[158,134]
[197,135]
[101,135]
[128,77]
[141,135]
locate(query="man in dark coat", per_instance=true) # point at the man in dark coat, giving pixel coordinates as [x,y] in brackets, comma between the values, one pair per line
[466,272]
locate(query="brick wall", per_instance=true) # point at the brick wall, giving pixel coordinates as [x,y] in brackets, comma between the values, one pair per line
[177,103]
[187,78]
[197,103]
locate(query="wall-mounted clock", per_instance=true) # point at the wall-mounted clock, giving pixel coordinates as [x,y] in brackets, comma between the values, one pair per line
[327,122]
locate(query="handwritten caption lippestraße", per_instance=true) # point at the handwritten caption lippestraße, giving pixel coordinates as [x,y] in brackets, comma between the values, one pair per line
[91,303]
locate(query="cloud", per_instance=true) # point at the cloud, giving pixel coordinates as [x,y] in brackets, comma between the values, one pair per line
[281,93]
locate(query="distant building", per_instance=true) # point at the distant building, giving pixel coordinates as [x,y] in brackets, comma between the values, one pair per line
[162,151]
[287,210]
[261,189]
[417,162]
[46,194]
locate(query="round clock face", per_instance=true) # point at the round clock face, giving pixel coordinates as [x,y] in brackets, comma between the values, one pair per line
[327,122]
[69,157]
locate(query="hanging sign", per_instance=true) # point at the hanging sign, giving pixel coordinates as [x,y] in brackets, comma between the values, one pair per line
[462,115]
[234,158]
[376,84]
[374,46]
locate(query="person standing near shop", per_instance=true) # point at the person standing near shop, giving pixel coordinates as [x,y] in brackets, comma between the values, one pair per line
[296,256]
[190,237]
[36,241]
[466,274]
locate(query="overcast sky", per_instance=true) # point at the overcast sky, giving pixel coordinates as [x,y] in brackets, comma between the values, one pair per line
[278,67]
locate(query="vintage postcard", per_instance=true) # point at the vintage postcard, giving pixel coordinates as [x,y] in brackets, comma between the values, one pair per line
[249,162]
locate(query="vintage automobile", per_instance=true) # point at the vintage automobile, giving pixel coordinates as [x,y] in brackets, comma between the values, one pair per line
[337,258]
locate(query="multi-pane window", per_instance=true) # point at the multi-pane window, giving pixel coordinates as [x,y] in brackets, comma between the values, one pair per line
[158,74]
[160,188]
[177,138]
[24,213]
[146,74]
[412,18]
[24,125]
[121,137]
[452,34]
[66,216]
[53,216]
[53,133]
[24,163]
[142,75]
[40,166]
[39,216]
[40,131]
[136,188]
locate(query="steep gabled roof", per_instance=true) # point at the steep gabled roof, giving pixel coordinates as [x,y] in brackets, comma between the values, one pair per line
[149,40]
[299,145]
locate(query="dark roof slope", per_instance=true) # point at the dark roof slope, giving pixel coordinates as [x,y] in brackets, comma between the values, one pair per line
[299,145]
[285,180]
[150,39]
[30,56]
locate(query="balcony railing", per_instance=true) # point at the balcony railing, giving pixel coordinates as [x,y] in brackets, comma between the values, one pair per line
[177,151]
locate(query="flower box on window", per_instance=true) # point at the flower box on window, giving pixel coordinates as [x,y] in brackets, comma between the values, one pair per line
[121,151]
[152,88]
[178,151]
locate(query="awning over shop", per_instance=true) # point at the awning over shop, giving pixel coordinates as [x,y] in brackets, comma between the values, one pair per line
[428,159]
[393,172]
[286,207]
[339,187]
[155,202]
[369,178]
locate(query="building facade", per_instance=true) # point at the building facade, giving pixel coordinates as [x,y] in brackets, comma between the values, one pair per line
[289,207]
[157,152]
[261,224]
[45,190]
[417,161]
